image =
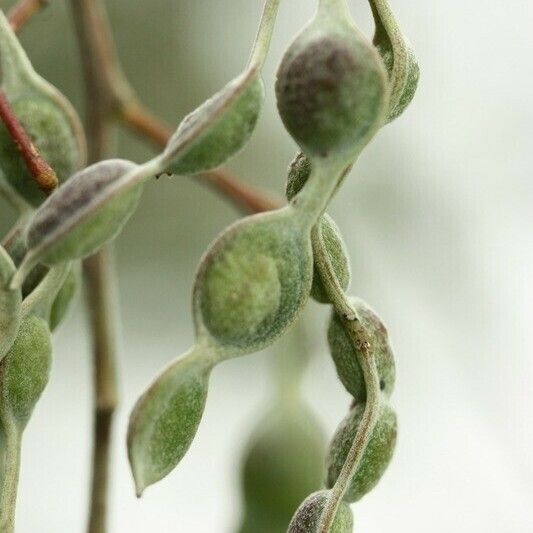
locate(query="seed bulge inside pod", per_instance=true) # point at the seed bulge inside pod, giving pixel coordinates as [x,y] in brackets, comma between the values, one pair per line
[286,450]
[51,133]
[329,90]
[345,356]
[62,208]
[253,281]
[308,515]
[376,457]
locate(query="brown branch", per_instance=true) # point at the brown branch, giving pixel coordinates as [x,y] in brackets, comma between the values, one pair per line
[39,169]
[23,11]
[244,196]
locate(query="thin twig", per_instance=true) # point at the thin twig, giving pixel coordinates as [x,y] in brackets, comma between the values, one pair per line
[41,172]
[23,11]
[98,269]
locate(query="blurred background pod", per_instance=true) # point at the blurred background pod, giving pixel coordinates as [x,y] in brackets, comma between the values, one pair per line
[48,117]
[284,457]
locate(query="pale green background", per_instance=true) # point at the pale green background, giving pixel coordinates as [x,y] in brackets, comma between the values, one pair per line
[437,217]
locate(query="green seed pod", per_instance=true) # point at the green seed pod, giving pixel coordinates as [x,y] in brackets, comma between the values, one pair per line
[25,370]
[65,296]
[165,419]
[344,353]
[219,128]
[399,59]
[331,86]
[81,216]
[253,282]
[376,457]
[47,116]
[308,515]
[10,304]
[299,172]
[282,464]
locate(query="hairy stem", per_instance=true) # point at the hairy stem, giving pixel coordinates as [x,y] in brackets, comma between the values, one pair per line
[359,337]
[10,477]
[41,172]
[96,51]
[23,11]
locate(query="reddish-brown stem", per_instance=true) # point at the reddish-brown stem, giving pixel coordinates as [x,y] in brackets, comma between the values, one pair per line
[22,12]
[38,167]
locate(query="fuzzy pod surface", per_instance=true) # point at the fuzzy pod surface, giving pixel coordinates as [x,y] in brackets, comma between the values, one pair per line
[282,465]
[227,134]
[58,229]
[344,353]
[51,132]
[308,515]
[165,420]
[25,370]
[253,281]
[330,87]
[376,457]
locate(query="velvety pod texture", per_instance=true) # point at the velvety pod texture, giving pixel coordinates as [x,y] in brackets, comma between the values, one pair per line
[344,353]
[62,208]
[299,172]
[376,457]
[253,281]
[165,420]
[25,370]
[307,517]
[227,134]
[329,89]
[51,132]
[283,464]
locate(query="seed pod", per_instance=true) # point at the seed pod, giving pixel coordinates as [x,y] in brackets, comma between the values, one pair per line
[308,515]
[10,304]
[46,115]
[219,128]
[344,353]
[282,464]
[299,173]
[81,216]
[165,419]
[65,296]
[399,59]
[253,282]
[25,370]
[376,457]
[331,88]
